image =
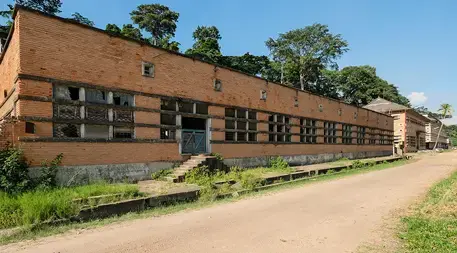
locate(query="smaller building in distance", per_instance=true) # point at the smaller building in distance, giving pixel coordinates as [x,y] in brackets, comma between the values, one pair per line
[409,125]
[432,130]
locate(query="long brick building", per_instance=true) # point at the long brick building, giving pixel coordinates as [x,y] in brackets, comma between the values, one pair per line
[117,107]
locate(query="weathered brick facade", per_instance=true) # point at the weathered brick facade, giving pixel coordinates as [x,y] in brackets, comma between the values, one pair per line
[47,52]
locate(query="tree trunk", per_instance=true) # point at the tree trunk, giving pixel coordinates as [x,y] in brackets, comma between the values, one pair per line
[302,82]
[438,137]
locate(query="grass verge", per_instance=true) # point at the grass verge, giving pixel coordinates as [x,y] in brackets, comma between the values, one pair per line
[432,227]
[48,230]
[49,205]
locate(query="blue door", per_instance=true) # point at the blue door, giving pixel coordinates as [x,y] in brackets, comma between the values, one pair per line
[193,141]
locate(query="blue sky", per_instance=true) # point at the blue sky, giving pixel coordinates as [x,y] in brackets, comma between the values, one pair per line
[412,43]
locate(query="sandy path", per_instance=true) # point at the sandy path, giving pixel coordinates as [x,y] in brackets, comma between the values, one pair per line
[333,216]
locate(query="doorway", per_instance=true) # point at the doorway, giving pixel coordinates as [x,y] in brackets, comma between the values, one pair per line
[193,139]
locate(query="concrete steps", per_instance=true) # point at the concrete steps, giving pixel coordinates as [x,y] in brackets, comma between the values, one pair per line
[180,172]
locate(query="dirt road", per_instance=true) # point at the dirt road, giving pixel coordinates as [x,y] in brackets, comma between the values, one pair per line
[332,216]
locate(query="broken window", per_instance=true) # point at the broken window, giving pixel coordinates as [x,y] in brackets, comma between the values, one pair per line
[252,126]
[96,96]
[279,128]
[252,115]
[229,124]
[66,111]
[67,130]
[167,134]
[122,99]
[123,115]
[168,105]
[241,136]
[186,107]
[97,113]
[252,137]
[148,69]
[96,131]
[29,127]
[66,92]
[123,132]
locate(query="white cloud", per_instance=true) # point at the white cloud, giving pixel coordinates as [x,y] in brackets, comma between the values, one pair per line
[417,98]
[451,121]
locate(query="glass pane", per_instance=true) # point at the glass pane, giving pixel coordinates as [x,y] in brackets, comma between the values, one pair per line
[96,131]
[122,99]
[66,93]
[123,132]
[96,96]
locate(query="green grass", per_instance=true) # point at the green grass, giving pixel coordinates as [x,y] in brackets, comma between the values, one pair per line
[432,227]
[49,205]
[48,230]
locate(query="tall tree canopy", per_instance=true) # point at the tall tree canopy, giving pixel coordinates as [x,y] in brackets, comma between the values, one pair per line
[48,6]
[81,19]
[359,85]
[309,50]
[247,63]
[206,46]
[156,19]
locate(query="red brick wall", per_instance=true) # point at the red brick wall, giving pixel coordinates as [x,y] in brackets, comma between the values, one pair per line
[53,48]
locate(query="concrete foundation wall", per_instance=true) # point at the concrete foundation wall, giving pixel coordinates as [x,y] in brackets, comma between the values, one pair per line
[80,175]
[299,160]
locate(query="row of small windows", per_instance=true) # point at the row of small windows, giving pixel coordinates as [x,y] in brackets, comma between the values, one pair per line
[238,122]
[107,116]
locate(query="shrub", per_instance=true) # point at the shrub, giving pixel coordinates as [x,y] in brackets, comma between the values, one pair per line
[279,163]
[47,180]
[14,176]
[358,164]
[218,156]
[161,174]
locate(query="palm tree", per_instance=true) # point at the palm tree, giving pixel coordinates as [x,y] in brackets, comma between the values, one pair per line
[445,110]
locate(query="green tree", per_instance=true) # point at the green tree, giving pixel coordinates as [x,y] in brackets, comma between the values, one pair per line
[166,43]
[247,63]
[113,29]
[445,111]
[81,19]
[47,6]
[309,50]
[206,46]
[156,19]
[359,85]
[131,32]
